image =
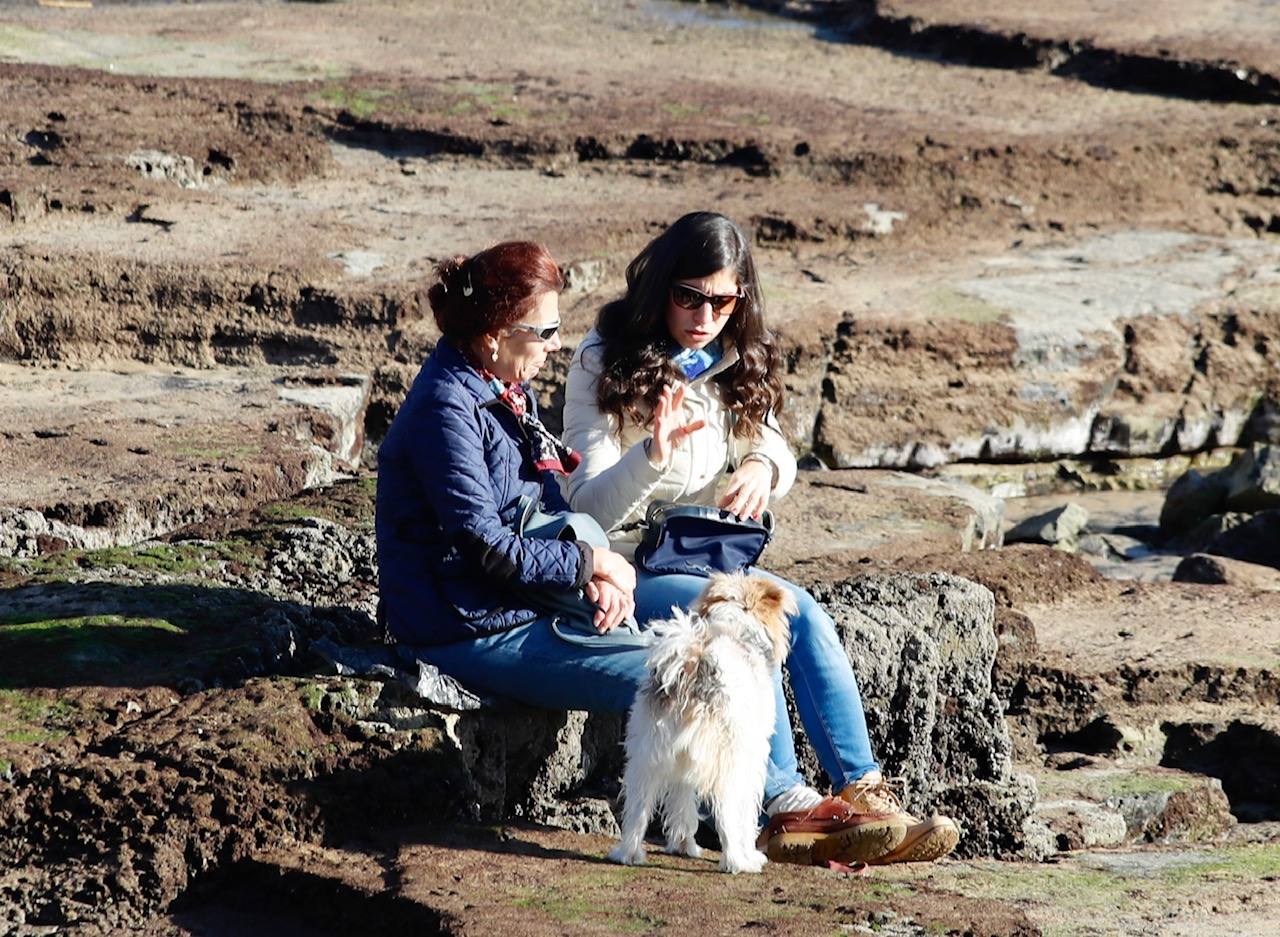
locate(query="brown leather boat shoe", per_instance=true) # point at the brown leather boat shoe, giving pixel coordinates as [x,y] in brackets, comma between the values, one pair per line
[833,831]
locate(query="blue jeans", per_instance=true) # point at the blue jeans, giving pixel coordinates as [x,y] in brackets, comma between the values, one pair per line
[531,664]
[826,692]
[534,665]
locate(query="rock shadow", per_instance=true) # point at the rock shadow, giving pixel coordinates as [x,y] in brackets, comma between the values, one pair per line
[254,898]
[1181,77]
[1245,757]
[64,634]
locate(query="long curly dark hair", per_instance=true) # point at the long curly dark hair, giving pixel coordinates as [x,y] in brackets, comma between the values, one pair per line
[638,347]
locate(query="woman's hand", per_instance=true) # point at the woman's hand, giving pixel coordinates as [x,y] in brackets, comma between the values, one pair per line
[613,568]
[669,426]
[749,488]
[612,604]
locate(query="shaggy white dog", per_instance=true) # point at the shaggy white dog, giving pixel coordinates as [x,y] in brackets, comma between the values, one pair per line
[701,722]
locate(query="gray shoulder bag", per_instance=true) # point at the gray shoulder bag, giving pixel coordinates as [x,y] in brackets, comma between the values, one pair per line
[572,612]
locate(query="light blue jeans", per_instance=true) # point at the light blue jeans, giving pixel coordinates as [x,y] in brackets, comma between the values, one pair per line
[530,663]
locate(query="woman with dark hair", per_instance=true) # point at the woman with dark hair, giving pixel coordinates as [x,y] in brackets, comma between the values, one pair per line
[679,383]
[461,464]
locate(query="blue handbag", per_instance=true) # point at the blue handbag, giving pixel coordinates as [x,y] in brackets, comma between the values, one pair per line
[700,540]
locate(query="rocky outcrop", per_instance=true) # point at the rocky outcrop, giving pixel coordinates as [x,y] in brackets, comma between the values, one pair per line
[1211,512]
[196,783]
[1192,497]
[109,834]
[1080,824]
[923,648]
[1115,346]
[1255,540]
[1248,484]
[1244,753]
[1220,570]
[1090,802]
[830,515]
[99,458]
[1227,61]
[1062,528]
[319,562]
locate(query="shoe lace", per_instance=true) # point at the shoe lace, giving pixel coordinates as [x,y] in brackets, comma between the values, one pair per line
[883,795]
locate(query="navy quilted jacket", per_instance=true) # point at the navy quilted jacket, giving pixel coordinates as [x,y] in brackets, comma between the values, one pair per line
[451,473]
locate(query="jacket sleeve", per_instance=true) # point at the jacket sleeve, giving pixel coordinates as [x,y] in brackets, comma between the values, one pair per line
[773,446]
[610,483]
[448,458]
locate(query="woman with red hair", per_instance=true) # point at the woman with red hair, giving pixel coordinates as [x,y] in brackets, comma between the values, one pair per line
[464,461]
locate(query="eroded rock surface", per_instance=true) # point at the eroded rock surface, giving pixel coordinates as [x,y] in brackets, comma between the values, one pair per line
[177,786]
[923,647]
[98,458]
[1120,345]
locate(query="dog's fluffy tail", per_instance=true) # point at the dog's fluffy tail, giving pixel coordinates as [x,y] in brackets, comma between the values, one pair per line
[678,662]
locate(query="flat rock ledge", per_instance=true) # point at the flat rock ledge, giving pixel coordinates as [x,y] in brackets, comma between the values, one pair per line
[97,458]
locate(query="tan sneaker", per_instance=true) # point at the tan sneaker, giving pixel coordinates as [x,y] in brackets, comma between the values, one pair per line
[833,831]
[925,840]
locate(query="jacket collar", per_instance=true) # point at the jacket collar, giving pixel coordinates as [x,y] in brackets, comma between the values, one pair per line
[451,361]
[727,360]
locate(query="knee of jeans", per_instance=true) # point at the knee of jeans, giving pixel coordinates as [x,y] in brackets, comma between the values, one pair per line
[811,619]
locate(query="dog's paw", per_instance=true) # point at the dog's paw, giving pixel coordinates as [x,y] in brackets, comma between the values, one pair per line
[751,861]
[624,856]
[687,848]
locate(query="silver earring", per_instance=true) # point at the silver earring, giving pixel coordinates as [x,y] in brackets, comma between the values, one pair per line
[493,355]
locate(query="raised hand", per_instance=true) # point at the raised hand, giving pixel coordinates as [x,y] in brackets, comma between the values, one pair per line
[670,425]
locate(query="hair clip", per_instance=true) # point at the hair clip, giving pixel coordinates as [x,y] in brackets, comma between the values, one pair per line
[466,287]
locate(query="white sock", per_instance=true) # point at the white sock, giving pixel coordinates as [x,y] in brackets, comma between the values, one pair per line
[800,797]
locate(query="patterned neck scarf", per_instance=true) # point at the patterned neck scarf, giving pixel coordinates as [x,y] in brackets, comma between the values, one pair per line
[547,452]
[695,361]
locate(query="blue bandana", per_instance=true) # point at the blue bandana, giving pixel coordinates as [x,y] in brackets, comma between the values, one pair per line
[694,361]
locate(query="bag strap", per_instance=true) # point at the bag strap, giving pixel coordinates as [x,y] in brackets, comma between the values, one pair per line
[525,508]
[622,637]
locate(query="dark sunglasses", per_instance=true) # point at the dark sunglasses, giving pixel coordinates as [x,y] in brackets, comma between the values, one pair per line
[542,332]
[687,297]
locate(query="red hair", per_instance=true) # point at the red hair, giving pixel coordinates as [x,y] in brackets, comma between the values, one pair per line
[491,290]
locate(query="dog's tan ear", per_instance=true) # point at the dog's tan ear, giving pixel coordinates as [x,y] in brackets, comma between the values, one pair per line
[773,605]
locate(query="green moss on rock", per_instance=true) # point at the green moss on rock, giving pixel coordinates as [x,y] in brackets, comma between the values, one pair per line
[162,559]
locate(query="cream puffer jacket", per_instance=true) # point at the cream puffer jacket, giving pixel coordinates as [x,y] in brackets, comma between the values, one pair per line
[616,481]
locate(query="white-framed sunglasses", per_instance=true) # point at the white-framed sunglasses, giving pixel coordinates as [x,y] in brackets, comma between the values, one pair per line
[543,333]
